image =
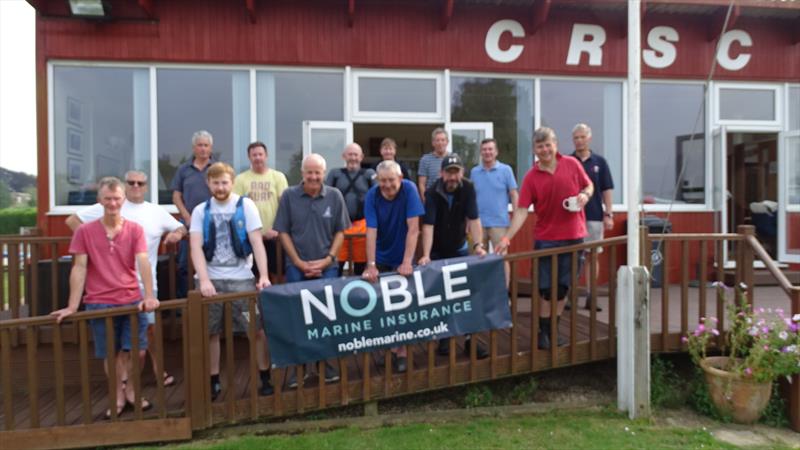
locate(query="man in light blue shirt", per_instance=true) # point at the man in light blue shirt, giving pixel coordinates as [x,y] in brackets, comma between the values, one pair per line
[496,188]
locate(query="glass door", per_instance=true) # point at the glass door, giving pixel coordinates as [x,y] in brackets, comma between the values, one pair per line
[465,140]
[720,190]
[789,197]
[327,139]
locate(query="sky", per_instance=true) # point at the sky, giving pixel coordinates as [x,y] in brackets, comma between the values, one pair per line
[17,86]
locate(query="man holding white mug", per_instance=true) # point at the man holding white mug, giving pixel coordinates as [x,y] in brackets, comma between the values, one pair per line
[558,188]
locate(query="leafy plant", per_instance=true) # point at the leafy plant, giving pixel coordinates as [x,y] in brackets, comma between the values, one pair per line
[775,415]
[665,385]
[763,344]
[478,396]
[700,398]
[523,392]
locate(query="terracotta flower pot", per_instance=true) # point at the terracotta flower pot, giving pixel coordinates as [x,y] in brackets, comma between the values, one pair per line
[744,400]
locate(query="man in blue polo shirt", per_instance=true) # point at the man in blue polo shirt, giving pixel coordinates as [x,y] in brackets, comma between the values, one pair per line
[392,209]
[598,210]
[496,188]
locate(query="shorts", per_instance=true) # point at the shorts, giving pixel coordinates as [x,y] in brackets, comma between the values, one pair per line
[239,308]
[564,266]
[595,229]
[493,235]
[122,330]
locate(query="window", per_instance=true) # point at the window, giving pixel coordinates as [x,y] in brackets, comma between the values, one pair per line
[508,104]
[794,108]
[284,100]
[747,104]
[408,96]
[190,100]
[673,141]
[595,103]
[101,126]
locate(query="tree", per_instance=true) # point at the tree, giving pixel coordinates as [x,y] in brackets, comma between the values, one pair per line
[5,195]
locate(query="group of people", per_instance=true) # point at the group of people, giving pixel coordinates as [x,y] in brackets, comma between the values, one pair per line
[234,220]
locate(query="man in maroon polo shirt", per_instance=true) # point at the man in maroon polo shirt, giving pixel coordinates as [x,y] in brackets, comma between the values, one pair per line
[558,188]
[106,253]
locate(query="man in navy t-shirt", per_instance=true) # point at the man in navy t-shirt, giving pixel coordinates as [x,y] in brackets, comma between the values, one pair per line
[392,209]
[597,219]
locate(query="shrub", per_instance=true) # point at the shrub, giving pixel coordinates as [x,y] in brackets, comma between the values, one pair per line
[13,218]
[665,384]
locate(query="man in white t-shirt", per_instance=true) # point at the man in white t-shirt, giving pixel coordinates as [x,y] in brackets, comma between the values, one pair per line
[155,221]
[223,246]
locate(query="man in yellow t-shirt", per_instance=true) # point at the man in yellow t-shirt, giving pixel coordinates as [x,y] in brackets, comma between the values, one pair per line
[264,187]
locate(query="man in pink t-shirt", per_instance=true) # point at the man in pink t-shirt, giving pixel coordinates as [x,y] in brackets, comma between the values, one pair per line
[106,252]
[558,188]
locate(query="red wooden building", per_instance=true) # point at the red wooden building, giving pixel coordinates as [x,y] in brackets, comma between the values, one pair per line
[720,95]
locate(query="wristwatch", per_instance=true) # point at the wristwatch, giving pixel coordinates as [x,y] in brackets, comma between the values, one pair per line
[477,244]
[333,257]
[609,215]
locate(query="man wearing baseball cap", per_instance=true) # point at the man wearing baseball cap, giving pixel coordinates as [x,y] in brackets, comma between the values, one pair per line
[451,208]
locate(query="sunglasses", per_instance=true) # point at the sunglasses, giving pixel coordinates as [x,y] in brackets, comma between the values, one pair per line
[136,183]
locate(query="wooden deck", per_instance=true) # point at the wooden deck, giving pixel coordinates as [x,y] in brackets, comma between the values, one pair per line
[237,389]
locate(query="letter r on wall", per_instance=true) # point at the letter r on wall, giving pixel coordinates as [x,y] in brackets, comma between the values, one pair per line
[579,44]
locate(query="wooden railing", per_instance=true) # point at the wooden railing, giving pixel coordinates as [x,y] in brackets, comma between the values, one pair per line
[77,391]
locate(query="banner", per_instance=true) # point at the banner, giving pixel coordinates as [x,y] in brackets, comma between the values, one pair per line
[321,319]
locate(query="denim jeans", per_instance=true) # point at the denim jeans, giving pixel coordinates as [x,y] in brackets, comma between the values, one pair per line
[293,274]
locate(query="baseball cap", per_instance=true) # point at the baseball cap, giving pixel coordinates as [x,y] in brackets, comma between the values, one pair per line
[452,160]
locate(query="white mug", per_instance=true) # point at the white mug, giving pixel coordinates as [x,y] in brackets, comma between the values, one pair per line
[571,204]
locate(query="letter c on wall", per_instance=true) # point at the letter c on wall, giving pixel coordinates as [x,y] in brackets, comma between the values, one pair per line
[723,54]
[492,43]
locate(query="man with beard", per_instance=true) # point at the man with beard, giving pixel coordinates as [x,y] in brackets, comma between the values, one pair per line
[103,276]
[547,186]
[189,189]
[311,221]
[451,208]
[155,221]
[431,163]
[392,209]
[225,234]
[353,182]
[264,186]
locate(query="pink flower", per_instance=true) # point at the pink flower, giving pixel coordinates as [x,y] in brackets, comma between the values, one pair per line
[715,332]
[748,371]
[796,317]
[685,339]
[766,347]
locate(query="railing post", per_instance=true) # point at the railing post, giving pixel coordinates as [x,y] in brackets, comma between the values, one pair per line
[794,390]
[644,248]
[746,260]
[197,390]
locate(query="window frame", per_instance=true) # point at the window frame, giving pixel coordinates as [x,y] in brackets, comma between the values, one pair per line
[357,115]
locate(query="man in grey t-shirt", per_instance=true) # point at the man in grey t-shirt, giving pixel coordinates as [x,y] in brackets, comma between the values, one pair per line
[310,222]
[431,163]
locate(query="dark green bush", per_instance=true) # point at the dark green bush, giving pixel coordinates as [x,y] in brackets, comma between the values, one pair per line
[13,218]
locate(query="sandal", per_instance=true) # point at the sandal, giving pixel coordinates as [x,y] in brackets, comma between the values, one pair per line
[120,410]
[169,380]
[146,405]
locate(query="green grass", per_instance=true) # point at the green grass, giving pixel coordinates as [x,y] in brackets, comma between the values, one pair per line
[557,430]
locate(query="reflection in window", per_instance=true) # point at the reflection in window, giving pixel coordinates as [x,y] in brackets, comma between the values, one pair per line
[101,121]
[670,142]
[794,108]
[284,100]
[747,104]
[190,100]
[397,94]
[595,103]
[793,169]
[508,104]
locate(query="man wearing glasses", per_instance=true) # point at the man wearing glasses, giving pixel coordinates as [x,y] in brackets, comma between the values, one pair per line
[155,221]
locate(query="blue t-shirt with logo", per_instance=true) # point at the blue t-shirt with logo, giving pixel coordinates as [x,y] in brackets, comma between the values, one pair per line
[597,169]
[389,218]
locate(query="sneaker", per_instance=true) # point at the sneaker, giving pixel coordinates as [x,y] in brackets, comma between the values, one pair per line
[588,306]
[480,350]
[292,381]
[443,349]
[216,388]
[266,389]
[331,374]
[568,306]
[543,340]
[400,363]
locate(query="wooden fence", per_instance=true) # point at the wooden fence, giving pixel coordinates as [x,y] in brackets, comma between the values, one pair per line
[54,394]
